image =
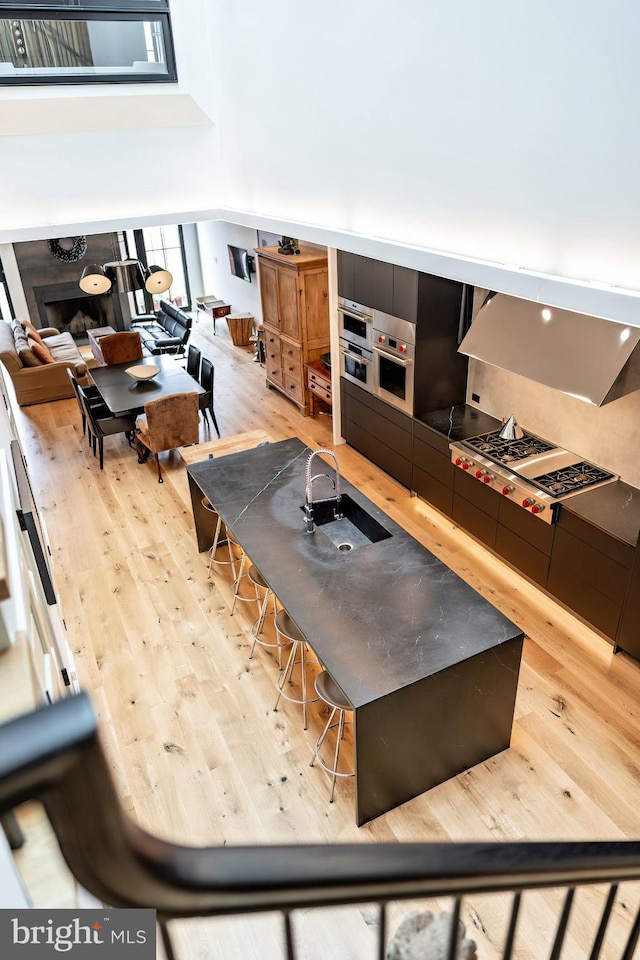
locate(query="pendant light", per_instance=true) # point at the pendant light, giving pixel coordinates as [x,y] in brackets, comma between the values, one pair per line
[158,281]
[94,280]
[128,274]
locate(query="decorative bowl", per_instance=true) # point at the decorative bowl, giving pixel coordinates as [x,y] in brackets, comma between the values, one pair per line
[143,371]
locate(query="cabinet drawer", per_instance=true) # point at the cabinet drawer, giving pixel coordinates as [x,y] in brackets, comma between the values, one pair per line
[436,494]
[432,438]
[613,548]
[379,453]
[593,569]
[274,371]
[522,555]
[319,390]
[535,531]
[431,461]
[475,521]
[320,382]
[476,493]
[293,386]
[598,610]
[291,370]
[271,338]
[291,351]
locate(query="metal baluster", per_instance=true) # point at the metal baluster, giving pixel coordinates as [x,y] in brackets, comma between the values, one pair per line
[602,929]
[452,949]
[511,932]
[562,925]
[382,942]
[633,938]
[288,936]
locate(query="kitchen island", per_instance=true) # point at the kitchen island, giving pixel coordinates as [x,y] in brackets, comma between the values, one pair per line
[429,666]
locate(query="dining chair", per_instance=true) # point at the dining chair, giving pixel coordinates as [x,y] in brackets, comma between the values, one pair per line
[101,423]
[121,347]
[168,422]
[193,362]
[92,394]
[206,398]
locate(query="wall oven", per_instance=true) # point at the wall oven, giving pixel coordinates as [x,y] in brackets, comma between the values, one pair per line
[356,364]
[356,322]
[393,360]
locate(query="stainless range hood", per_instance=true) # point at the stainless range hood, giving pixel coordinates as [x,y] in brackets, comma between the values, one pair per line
[586,357]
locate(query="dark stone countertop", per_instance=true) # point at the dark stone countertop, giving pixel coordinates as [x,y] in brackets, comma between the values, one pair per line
[381,617]
[613,508]
[460,422]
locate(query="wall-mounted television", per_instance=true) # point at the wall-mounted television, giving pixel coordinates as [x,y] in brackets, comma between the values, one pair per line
[240,262]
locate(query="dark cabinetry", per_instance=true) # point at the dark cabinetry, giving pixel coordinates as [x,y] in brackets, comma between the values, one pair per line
[628,637]
[382,286]
[432,470]
[524,541]
[589,572]
[380,432]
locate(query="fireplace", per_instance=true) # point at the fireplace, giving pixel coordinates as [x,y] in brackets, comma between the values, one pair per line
[65,307]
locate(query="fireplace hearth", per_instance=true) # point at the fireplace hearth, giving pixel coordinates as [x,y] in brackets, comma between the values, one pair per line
[65,307]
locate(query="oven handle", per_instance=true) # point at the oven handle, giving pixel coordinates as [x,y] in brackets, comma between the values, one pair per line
[356,313]
[354,356]
[392,356]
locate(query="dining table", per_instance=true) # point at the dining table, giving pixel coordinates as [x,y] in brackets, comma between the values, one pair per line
[123,394]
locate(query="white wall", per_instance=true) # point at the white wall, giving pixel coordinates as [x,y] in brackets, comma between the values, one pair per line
[499,133]
[216,274]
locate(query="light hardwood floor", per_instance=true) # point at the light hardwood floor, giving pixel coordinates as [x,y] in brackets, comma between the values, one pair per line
[196,750]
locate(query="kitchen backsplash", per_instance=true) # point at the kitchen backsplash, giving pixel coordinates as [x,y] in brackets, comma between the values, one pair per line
[609,436]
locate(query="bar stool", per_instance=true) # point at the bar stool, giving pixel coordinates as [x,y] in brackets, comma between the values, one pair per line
[264,595]
[329,691]
[220,541]
[286,628]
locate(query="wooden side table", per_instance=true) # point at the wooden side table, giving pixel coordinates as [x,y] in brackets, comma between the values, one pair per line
[319,383]
[214,307]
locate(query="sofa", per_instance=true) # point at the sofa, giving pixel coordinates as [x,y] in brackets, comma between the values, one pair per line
[36,380]
[165,331]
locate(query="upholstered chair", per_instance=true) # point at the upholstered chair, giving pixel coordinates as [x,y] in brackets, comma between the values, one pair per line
[101,423]
[121,347]
[169,422]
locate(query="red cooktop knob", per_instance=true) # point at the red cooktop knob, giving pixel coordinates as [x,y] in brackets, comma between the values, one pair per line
[487,478]
[507,490]
[465,465]
[401,348]
[537,508]
[528,502]
[381,339]
[458,461]
[479,474]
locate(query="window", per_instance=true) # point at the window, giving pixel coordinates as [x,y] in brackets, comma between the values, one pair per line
[162,246]
[124,41]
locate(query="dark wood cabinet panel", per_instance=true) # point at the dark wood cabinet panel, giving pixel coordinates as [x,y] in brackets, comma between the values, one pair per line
[526,526]
[628,638]
[474,520]
[345,275]
[598,610]
[382,292]
[617,551]
[522,555]
[438,495]
[431,437]
[363,268]
[477,493]
[433,462]
[374,449]
[397,417]
[592,568]
[405,293]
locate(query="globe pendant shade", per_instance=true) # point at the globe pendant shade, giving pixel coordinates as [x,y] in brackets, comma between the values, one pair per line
[158,281]
[94,280]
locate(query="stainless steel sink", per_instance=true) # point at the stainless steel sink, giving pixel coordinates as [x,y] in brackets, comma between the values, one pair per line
[347,526]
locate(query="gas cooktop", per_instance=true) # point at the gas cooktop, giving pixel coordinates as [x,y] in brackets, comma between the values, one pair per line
[530,471]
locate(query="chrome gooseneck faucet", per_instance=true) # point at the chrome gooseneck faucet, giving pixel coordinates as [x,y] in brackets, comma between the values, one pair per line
[308,492]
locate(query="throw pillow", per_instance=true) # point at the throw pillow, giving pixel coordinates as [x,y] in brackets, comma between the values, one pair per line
[28,357]
[40,351]
[31,331]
